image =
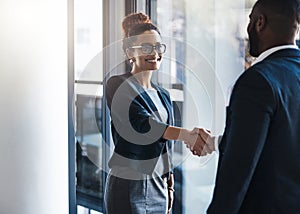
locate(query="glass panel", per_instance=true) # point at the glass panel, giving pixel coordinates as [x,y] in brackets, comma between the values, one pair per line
[88,104]
[206,52]
[83,210]
[88,38]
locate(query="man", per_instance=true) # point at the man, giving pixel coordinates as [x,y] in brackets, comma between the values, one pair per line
[259,165]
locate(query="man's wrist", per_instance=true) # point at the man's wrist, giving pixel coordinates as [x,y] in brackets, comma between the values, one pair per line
[217,140]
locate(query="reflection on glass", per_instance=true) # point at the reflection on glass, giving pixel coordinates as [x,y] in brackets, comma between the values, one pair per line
[88,152]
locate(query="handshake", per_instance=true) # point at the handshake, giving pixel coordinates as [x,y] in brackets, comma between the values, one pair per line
[199,141]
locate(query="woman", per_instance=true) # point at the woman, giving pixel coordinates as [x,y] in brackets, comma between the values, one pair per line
[141,178]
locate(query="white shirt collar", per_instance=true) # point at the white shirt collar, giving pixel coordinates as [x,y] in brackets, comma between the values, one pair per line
[268,52]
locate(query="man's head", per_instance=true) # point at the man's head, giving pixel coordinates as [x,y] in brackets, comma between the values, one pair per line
[273,23]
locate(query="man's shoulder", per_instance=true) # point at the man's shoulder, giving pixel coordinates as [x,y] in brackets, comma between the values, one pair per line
[281,63]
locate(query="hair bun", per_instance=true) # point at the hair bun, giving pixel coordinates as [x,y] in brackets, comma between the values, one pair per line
[134,19]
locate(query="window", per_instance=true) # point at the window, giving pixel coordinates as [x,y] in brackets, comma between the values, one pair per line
[88,104]
[97,37]
[206,52]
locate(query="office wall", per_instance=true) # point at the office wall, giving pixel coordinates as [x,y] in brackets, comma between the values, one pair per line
[33,107]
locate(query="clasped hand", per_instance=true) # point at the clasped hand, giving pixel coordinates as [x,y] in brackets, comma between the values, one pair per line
[200,142]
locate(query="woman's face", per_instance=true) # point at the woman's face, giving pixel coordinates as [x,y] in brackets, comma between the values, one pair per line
[147,51]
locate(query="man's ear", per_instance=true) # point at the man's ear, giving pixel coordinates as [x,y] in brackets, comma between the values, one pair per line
[261,23]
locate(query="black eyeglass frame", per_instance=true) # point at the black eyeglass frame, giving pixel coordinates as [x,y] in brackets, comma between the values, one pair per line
[150,48]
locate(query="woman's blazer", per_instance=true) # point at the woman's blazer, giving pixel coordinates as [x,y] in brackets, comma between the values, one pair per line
[136,126]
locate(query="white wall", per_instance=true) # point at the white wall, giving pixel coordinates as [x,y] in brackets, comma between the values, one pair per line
[33,107]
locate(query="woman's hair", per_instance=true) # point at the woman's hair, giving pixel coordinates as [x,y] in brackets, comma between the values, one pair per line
[132,20]
[135,24]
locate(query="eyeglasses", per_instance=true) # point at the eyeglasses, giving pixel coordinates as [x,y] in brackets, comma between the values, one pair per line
[147,48]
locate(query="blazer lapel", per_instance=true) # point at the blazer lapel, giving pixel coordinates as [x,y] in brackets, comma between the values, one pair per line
[140,91]
[143,95]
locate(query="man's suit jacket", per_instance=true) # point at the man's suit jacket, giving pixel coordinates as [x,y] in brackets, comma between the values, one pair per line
[259,165]
[136,125]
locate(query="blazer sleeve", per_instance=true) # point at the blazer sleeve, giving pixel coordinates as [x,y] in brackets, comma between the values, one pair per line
[251,107]
[130,116]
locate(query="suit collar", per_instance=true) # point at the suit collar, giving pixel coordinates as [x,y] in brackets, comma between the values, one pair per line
[270,51]
[290,52]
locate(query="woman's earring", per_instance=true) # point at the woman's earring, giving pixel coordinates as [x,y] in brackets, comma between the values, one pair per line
[132,60]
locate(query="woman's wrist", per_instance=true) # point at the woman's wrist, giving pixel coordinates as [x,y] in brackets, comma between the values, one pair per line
[184,134]
[176,133]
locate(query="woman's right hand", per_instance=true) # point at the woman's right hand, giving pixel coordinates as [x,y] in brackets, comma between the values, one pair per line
[200,142]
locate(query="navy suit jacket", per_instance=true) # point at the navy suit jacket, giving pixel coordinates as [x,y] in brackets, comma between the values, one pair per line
[136,125]
[259,165]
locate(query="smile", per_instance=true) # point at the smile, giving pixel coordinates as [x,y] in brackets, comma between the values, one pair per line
[155,60]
